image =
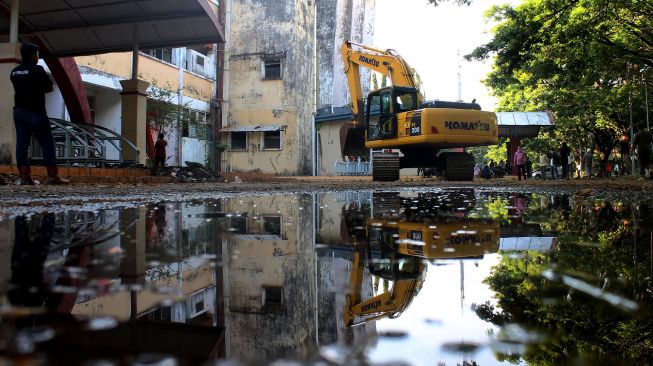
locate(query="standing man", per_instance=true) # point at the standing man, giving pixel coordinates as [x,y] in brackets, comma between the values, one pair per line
[643,142]
[564,160]
[588,160]
[160,153]
[520,161]
[30,117]
[544,163]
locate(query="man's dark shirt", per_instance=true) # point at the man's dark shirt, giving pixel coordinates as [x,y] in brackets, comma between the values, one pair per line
[643,140]
[160,148]
[30,85]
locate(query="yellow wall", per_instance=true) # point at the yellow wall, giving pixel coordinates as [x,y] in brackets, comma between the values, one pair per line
[118,304]
[328,146]
[289,101]
[151,70]
[119,64]
[197,87]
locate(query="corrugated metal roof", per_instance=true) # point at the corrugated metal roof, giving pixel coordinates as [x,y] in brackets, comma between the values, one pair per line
[524,119]
[83,27]
[252,128]
[540,244]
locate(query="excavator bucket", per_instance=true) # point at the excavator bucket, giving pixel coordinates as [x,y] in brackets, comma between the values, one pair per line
[352,141]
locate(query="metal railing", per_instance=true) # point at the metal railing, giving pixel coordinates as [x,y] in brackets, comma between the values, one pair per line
[351,168]
[84,144]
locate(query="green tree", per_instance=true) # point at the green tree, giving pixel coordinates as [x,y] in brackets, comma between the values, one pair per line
[164,112]
[581,59]
[583,292]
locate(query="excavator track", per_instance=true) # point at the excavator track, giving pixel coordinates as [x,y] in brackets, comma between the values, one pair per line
[385,167]
[459,166]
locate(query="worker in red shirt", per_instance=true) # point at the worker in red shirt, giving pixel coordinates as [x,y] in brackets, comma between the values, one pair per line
[160,153]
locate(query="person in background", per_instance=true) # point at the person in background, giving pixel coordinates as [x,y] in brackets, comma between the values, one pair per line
[160,153]
[520,161]
[564,160]
[571,163]
[529,167]
[555,161]
[486,172]
[544,163]
[642,142]
[588,160]
[31,83]
[477,170]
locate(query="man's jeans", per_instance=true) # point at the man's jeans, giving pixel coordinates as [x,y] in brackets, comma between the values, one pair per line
[554,172]
[30,124]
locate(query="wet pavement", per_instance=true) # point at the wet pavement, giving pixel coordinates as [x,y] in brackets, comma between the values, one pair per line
[429,276]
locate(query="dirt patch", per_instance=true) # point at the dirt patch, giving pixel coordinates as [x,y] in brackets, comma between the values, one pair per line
[24,199]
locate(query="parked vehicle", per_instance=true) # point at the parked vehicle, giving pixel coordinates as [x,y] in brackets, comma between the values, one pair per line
[537,174]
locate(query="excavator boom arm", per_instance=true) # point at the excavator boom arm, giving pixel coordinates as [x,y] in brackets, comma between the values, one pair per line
[385,62]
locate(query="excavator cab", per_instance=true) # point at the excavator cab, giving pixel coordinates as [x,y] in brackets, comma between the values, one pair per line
[382,108]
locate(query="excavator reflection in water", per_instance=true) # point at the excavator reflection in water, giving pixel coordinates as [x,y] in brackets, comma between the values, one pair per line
[397,242]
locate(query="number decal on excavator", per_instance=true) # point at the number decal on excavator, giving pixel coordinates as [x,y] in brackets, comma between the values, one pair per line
[415,128]
[416,235]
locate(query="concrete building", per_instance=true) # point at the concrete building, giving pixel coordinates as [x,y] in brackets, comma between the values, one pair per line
[189,76]
[113,83]
[270,284]
[283,61]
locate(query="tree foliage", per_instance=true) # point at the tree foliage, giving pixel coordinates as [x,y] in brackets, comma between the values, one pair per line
[597,249]
[584,60]
[164,111]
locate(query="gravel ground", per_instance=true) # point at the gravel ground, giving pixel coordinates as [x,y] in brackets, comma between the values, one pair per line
[18,200]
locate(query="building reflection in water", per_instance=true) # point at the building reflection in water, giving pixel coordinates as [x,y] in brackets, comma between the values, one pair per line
[253,278]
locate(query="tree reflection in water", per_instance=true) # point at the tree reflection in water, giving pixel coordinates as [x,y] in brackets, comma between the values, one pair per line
[592,293]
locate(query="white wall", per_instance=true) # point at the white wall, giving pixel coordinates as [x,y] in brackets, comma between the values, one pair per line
[108,114]
[194,150]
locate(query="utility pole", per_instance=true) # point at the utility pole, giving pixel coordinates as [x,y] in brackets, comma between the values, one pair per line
[646,101]
[632,132]
[460,85]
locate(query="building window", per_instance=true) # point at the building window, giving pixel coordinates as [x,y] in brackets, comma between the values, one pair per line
[163,54]
[238,225]
[272,296]
[271,225]
[238,140]
[163,313]
[272,140]
[272,69]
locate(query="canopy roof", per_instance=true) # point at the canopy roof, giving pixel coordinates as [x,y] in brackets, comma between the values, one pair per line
[253,128]
[83,27]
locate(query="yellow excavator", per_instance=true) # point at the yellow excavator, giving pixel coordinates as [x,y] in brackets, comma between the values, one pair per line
[401,248]
[397,117]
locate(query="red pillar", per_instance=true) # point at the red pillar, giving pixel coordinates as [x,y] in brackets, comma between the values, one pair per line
[511,148]
[66,74]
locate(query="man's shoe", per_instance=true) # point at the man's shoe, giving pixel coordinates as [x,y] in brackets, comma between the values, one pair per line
[54,178]
[25,177]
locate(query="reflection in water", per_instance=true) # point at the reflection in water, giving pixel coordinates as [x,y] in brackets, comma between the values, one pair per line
[27,260]
[449,277]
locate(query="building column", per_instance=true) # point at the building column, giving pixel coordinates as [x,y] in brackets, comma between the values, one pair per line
[7,237]
[134,118]
[9,59]
[133,242]
[511,148]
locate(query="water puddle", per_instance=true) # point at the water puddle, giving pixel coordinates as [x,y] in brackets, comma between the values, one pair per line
[450,277]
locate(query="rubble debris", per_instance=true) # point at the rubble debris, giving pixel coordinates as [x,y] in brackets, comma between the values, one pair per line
[193,172]
[5,180]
